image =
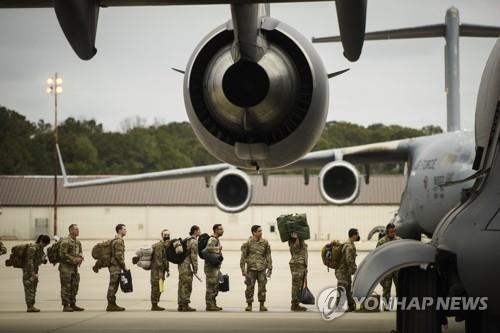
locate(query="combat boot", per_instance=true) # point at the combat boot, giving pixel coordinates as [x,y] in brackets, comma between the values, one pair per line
[297,307]
[67,308]
[213,307]
[262,307]
[249,306]
[31,308]
[187,308]
[155,307]
[112,307]
[76,308]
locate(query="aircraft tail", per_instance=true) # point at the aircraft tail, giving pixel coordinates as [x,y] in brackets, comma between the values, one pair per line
[451,30]
[425,31]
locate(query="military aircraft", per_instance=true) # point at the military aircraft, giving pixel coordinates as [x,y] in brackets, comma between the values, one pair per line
[461,260]
[440,176]
[446,200]
[255,90]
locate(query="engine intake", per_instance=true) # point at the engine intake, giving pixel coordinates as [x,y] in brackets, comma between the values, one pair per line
[264,114]
[232,190]
[339,183]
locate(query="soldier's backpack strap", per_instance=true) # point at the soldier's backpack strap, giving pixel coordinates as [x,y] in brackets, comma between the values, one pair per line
[248,248]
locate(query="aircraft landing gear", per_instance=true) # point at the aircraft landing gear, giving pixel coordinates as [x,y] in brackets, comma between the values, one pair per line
[419,283]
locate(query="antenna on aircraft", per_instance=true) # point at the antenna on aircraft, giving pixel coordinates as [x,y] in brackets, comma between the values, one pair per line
[451,30]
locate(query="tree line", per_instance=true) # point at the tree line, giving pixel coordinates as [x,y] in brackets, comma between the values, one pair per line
[26,148]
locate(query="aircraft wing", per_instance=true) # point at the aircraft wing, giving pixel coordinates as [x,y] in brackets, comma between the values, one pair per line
[199,171]
[232,187]
[381,152]
[384,152]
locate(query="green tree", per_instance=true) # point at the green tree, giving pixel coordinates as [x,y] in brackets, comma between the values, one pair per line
[15,139]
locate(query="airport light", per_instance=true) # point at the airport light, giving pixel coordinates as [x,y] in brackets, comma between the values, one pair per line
[54,87]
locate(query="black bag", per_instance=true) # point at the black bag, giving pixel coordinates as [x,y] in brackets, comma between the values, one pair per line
[213,259]
[171,253]
[126,282]
[306,296]
[224,283]
[202,244]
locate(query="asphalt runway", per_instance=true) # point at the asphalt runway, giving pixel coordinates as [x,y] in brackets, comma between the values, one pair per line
[138,317]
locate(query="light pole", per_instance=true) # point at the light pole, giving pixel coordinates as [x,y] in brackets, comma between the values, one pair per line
[54,87]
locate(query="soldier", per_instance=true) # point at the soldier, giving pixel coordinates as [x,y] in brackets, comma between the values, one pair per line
[347,268]
[212,273]
[187,269]
[255,259]
[116,267]
[34,258]
[3,249]
[71,256]
[386,283]
[298,268]
[159,266]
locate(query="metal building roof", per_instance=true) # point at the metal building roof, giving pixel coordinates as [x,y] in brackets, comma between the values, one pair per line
[280,190]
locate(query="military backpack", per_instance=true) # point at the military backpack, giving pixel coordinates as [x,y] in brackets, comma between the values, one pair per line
[331,254]
[202,244]
[17,257]
[143,257]
[102,252]
[177,251]
[53,253]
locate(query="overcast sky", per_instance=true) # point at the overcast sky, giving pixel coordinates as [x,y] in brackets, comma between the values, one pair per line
[394,82]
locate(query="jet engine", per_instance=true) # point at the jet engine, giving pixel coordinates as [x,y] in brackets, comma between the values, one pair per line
[232,190]
[257,114]
[339,183]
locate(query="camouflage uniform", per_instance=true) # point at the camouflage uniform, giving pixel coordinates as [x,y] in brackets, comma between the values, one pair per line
[187,269]
[256,256]
[3,249]
[159,265]
[298,267]
[212,273]
[386,282]
[34,258]
[346,269]
[117,265]
[70,250]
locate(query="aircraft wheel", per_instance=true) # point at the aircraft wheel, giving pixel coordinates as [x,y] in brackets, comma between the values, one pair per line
[417,282]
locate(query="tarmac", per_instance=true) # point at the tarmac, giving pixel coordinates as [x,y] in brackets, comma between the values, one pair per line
[139,318]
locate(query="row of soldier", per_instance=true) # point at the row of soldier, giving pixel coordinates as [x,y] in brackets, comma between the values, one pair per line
[256,268]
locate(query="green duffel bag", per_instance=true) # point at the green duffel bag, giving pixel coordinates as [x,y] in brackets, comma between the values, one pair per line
[293,223]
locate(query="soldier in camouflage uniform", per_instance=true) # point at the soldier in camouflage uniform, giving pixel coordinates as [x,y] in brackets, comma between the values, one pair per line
[159,266]
[3,249]
[255,259]
[71,257]
[386,283]
[187,269]
[212,273]
[347,268]
[34,258]
[116,267]
[298,268]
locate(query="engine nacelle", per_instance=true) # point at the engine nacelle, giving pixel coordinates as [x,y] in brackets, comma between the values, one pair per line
[257,115]
[232,190]
[339,182]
